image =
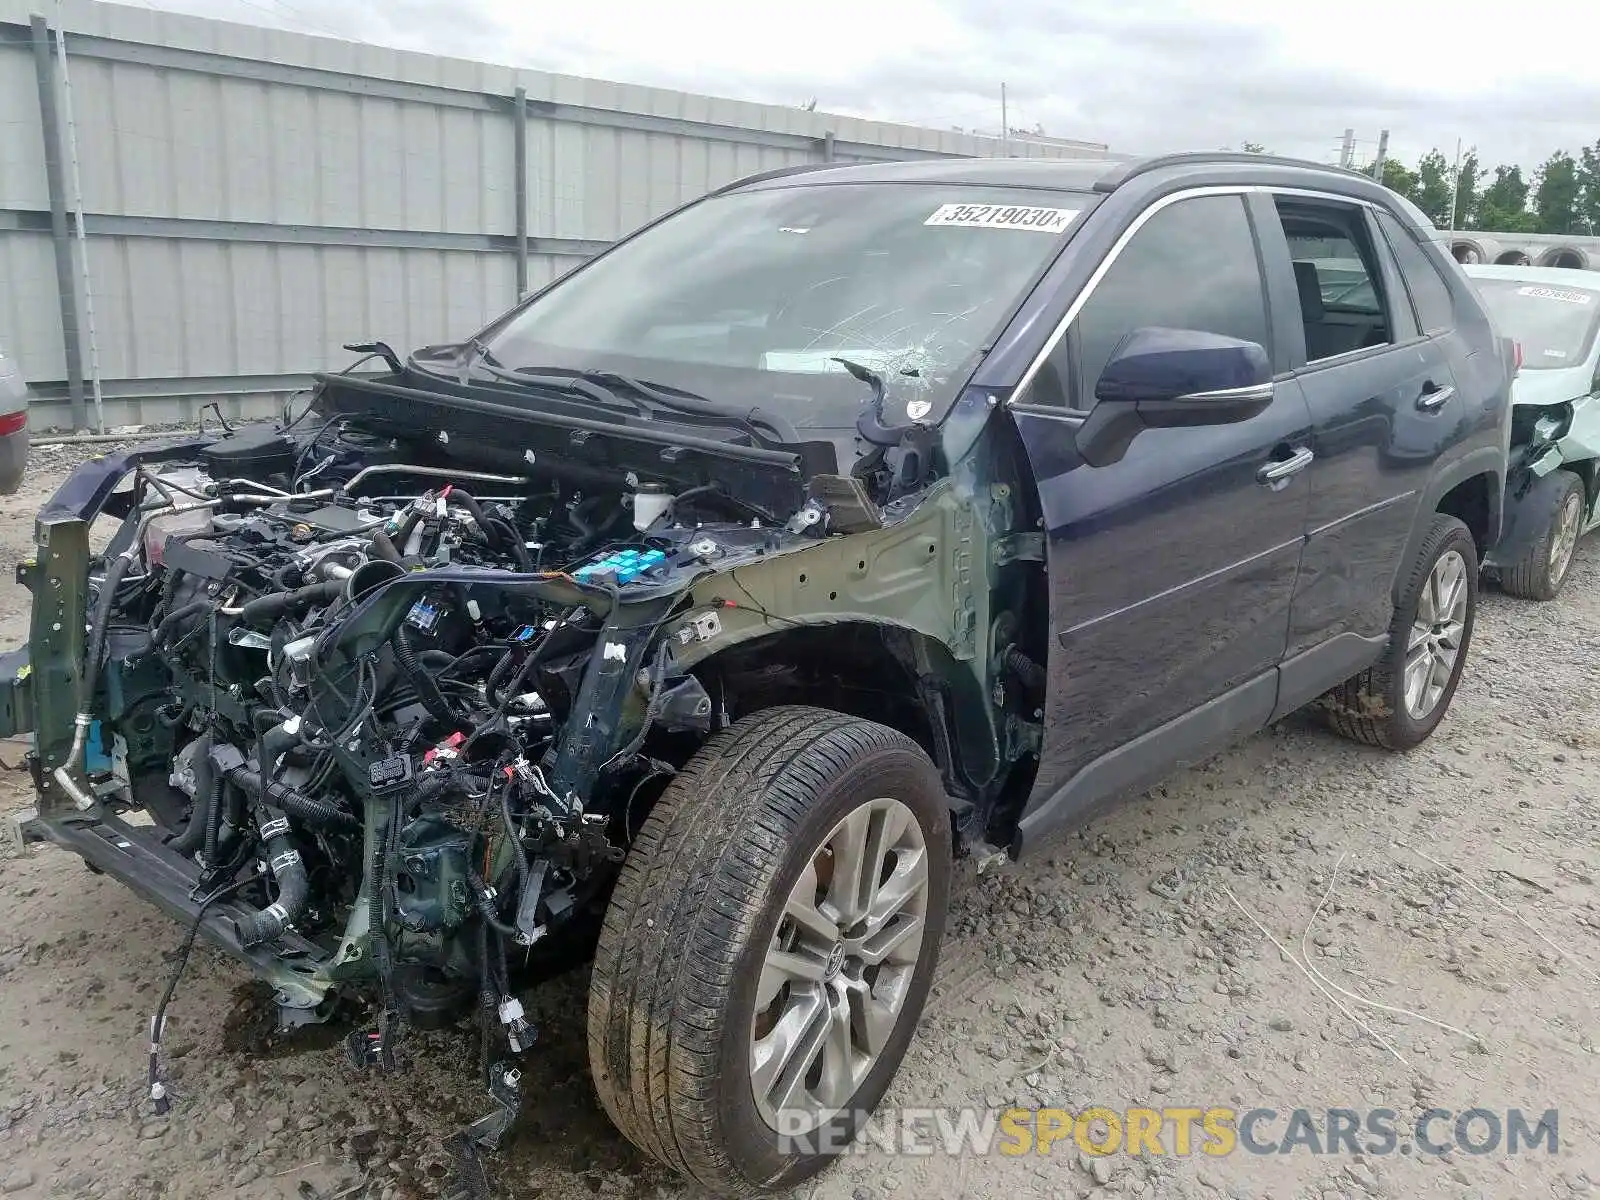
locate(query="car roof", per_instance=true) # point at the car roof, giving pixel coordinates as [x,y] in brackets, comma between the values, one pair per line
[1553,276]
[1066,174]
[1104,175]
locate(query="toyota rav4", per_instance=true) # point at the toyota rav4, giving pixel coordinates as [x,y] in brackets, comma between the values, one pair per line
[694,614]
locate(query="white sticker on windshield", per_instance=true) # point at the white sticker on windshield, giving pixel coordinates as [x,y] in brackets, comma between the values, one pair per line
[1555,353]
[1003,216]
[1550,293]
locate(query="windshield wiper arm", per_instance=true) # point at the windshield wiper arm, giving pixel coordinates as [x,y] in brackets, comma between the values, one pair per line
[678,400]
[578,383]
[648,398]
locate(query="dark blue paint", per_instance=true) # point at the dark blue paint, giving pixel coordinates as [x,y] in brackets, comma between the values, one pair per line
[1154,364]
[1171,575]
[1177,578]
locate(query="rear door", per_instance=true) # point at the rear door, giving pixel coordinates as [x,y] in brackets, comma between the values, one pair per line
[1171,571]
[1383,407]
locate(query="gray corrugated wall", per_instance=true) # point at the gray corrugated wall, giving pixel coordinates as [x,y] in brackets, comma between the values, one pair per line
[255,198]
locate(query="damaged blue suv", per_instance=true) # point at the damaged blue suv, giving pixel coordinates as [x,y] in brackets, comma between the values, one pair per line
[694,614]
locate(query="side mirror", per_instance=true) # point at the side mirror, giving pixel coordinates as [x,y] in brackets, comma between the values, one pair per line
[1172,378]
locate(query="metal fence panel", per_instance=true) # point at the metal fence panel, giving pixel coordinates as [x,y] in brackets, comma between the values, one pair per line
[256,198]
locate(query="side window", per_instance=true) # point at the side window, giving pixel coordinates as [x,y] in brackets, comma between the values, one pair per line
[1337,278]
[1193,265]
[1429,292]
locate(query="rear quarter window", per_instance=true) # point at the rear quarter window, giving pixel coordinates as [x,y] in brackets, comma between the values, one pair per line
[1430,294]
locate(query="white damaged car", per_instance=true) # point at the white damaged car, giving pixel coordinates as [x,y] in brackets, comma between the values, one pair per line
[1552,490]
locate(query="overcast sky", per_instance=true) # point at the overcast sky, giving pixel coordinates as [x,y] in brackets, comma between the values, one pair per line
[1141,75]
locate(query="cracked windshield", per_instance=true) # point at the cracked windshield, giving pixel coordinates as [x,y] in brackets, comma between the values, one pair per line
[754,297]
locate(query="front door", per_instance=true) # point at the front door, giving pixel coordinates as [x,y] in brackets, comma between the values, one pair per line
[1171,571]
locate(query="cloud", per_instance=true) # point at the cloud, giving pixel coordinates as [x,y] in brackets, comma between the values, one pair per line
[1141,75]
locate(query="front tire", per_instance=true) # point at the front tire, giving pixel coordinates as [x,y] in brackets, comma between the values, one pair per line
[1540,572]
[769,946]
[1400,700]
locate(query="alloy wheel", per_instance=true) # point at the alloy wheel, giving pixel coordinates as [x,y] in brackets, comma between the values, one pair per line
[840,965]
[1564,539]
[1436,635]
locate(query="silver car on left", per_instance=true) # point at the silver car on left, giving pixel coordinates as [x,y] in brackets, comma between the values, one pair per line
[13,424]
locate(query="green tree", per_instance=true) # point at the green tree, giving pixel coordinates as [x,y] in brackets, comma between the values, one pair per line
[1589,178]
[1467,179]
[1556,196]
[1396,177]
[1433,187]
[1503,206]
[1253,148]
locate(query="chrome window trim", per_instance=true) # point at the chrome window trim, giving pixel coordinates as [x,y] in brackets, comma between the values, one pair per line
[1128,234]
[1249,391]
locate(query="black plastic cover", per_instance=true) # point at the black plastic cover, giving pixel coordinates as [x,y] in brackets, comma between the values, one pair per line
[254,453]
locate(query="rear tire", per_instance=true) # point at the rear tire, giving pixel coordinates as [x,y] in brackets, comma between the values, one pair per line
[1395,703]
[718,958]
[1540,572]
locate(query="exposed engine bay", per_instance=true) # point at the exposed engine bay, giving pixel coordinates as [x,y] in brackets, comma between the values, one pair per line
[380,710]
[378,704]
[401,637]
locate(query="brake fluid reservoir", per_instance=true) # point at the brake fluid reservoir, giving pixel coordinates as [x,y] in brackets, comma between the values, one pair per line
[650,501]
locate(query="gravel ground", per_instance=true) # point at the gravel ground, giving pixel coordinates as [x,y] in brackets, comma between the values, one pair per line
[1124,967]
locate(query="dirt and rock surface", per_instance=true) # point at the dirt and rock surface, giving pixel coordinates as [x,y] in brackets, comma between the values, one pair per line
[1123,967]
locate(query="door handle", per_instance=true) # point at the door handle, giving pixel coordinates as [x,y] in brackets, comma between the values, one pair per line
[1281,469]
[1433,398]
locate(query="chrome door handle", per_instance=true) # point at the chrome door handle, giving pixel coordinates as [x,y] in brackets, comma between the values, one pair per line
[1433,399]
[1275,472]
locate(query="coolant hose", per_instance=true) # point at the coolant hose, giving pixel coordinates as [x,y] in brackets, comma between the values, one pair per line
[207,795]
[427,690]
[385,548]
[294,886]
[97,631]
[296,803]
[275,604]
[178,615]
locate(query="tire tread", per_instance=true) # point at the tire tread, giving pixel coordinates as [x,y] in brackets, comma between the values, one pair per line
[1360,708]
[682,913]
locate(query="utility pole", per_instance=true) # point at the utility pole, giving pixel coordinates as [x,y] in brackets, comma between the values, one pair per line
[1347,149]
[1383,149]
[1455,188]
[1005,124]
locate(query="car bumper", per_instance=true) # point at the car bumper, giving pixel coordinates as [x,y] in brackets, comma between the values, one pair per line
[13,460]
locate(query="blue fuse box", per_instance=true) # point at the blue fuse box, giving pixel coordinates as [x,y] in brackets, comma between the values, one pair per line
[623,566]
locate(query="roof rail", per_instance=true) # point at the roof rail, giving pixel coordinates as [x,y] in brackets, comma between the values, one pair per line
[1122,172]
[775,173]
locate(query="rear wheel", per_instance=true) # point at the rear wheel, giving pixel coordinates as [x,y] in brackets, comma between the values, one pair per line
[769,946]
[1539,573]
[1401,699]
